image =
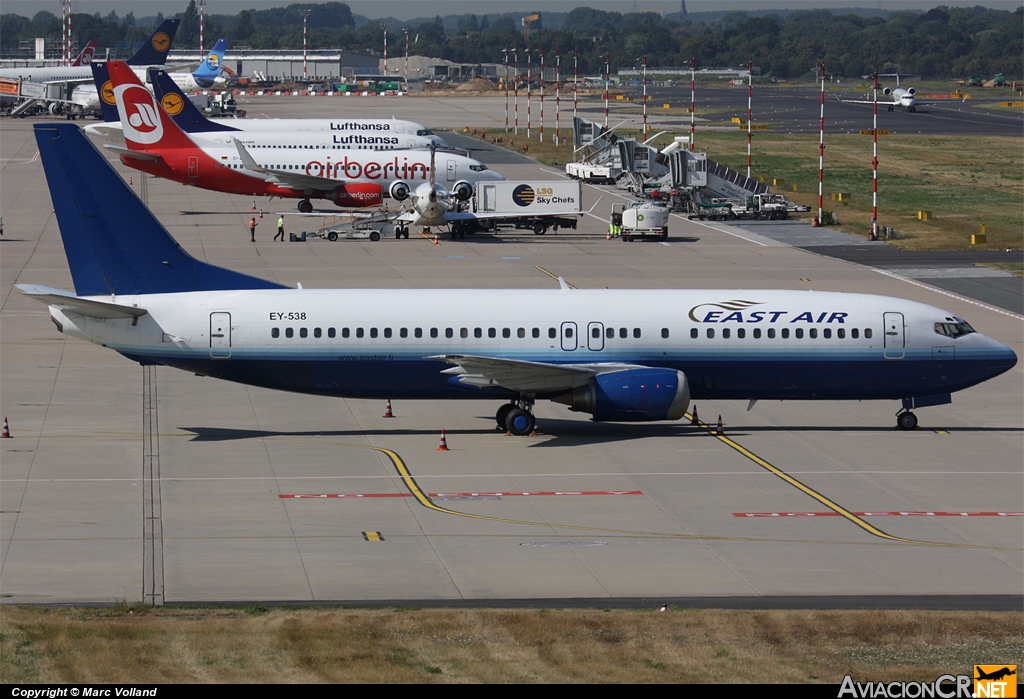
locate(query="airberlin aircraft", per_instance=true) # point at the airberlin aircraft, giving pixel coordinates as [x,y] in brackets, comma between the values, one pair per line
[611,354]
[271,165]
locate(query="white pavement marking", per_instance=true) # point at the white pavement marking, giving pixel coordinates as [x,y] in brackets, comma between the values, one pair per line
[950,294]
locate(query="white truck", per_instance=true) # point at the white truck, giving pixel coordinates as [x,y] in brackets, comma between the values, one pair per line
[592,174]
[536,205]
[641,220]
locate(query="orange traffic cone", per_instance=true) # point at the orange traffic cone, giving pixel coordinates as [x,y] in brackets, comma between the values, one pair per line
[609,236]
[694,420]
[444,443]
[7,431]
[437,240]
[718,430]
[388,413]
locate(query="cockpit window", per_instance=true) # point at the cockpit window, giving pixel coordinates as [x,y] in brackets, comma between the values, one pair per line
[478,168]
[955,329]
[424,132]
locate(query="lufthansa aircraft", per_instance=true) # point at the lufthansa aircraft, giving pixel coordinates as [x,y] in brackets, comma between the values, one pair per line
[611,354]
[301,168]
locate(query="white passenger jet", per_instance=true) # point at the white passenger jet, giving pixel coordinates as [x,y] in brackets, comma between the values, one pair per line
[302,166]
[612,354]
[905,98]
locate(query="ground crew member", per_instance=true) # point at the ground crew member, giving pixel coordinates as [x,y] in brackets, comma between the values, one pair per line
[615,227]
[252,229]
[280,228]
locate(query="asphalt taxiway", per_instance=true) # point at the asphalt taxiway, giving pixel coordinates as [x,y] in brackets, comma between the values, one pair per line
[154,485]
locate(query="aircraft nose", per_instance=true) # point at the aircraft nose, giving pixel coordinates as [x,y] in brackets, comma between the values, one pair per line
[440,142]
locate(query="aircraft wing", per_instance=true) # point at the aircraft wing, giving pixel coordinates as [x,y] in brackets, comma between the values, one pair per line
[67,301]
[283,177]
[523,376]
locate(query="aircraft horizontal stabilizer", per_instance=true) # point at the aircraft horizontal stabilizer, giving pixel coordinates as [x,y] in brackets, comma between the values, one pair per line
[523,376]
[67,301]
[132,154]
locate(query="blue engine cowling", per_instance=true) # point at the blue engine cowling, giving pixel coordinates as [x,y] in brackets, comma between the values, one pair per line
[632,395]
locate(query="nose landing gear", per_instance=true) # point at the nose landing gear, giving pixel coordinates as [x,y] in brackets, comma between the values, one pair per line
[906,420]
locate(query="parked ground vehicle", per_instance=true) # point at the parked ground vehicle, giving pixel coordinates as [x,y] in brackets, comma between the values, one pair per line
[642,220]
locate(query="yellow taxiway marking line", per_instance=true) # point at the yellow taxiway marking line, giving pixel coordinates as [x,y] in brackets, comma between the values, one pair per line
[839,509]
[414,489]
[552,275]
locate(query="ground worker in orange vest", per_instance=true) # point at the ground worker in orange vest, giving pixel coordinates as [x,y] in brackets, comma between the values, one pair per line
[252,229]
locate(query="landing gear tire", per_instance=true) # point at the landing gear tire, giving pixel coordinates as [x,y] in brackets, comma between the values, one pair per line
[519,422]
[502,413]
[305,206]
[906,421]
[401,232]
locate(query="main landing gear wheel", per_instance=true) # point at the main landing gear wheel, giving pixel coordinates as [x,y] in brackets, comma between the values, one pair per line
[906,421]
[502,413]
[402,232]
[519,422]
[305,206]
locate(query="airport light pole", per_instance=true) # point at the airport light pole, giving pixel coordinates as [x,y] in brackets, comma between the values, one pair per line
[558,94]
[821,146]
[607,70]
[515,91]
[575,83]
[305,14]
[505,81]
[645,98]
[874,163]
[201,4]
[529,88]
[406,29]
[385,49]
[750,111]
[542,95]
[693,100]
[64,32]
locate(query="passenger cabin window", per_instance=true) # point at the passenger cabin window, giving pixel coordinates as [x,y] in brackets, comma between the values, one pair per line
[785,333]
[867,333]
[303,332]
[359,332]
[449,333]
[403,332]
[373,332]
[387,332]
[757,333]
[711,333]
[289,332]
[418,332]
[694,333]
[636,333]
[741,333]
[799,333]
[536,333]
[316,332]
[275,332]
[521,333]
[664,333]
[330,332]
[812,333]
[827,333]
[609,333]
[478,332]
[725,333]
[854,333]
[464,333]
[493,332]
[841,333]
[595,332]
[623,333]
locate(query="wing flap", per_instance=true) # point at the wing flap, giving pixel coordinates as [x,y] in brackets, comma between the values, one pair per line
[524,376]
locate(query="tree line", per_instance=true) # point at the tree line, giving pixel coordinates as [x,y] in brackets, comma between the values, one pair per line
[944,42]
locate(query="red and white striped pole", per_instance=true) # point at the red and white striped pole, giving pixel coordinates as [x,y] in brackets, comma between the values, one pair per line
[750,111]
[607,70]
[541,96]
[874,165]
[645,98]
[63,32]
[70,39]
[515,90]
[202,52]
[407,64]
[505,80]
[305,14]
[575,81]
[821,147]
[529,90]
[693,99]
[385,49]
[558,95]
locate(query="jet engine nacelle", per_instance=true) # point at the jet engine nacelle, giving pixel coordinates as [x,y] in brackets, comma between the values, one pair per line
[886,90]
[632,395]
[912,90]
[463,191]
[399,190]
[358,194]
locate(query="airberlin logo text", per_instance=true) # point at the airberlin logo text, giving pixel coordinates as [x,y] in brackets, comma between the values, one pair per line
[945,687]
[353,169]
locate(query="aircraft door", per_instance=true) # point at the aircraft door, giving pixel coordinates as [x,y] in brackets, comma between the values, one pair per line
[451,171]
[894,342]
[569,340]
[220,335]
[595,337]
[193,166]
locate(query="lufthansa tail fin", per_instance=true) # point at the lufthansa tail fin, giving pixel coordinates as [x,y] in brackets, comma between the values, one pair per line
[158,45]
[180,107]
[210,68]
[146,126]
[105,91]
[113,243]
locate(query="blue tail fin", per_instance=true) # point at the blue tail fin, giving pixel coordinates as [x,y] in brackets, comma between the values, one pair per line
[210,68]
[154,51]
[105,91]
[186,116]
[113,243]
